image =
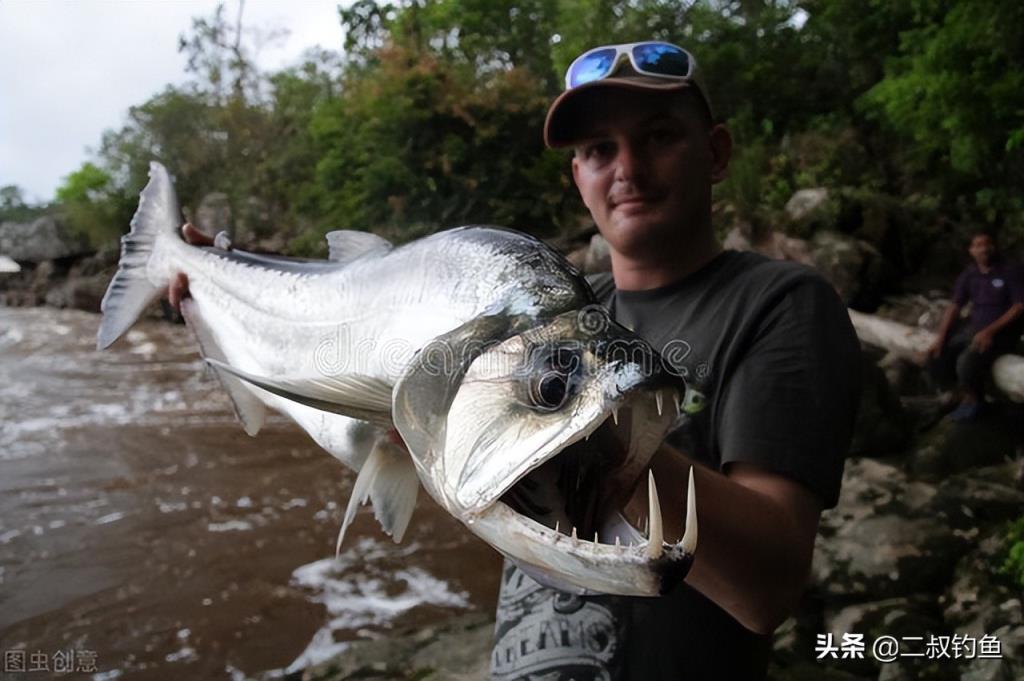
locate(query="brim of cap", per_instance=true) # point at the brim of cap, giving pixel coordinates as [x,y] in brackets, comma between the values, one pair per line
[561,124]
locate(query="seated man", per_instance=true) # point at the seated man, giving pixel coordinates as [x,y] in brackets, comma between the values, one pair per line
[995,291]
[772,366]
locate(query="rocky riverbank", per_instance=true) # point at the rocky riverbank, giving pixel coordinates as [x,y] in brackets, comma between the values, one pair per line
[915,550]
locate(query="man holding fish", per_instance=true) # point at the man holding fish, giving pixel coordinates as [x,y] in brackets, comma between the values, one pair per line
[771,365]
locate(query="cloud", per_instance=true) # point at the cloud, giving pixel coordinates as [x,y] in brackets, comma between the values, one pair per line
[70,70]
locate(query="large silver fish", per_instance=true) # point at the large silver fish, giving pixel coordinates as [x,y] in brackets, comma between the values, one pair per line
[524,410]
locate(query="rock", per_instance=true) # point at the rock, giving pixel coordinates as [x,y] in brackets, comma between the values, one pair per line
[911,616]
[578,257]
[458,650]
[40,240]
[598,256]
[808,205]
[252,223]
[80,293]
[981,497]
[886,555]
[880,540]
[853,266]
[979,600]
[1008,666]
[951,447]
[882,427]
[8,266]
[774,245]
[213,214]
[811,671]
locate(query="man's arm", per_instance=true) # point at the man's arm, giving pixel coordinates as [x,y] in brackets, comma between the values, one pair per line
[756,537]
[950,316]
[982,340]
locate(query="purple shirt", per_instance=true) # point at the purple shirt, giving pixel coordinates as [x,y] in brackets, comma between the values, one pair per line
[990,294]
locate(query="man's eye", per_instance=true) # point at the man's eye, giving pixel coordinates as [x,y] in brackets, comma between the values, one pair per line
[660,135]
[598,150]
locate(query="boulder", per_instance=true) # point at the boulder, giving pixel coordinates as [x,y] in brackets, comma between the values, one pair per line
[40,240]
[880,540]
[598,256]
[886,555]
[883,428]
[978,498]
[457,650]
[950,447]
[980,600]
[911,616]
[213,214]
[854,267]
[808,206]
[1008,666]
[79,293]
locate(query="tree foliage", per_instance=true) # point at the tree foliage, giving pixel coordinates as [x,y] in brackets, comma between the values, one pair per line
[431,116]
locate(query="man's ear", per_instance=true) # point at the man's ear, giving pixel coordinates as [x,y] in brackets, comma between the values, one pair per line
[721,152]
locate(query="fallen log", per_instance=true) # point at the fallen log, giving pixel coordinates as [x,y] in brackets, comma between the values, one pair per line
[912,343]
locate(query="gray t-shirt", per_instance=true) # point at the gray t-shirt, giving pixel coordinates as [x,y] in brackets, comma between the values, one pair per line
[772,366]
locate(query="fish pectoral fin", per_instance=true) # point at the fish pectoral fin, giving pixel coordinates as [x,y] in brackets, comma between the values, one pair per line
[388,479]
[353,395]
[249,408]
[345,245]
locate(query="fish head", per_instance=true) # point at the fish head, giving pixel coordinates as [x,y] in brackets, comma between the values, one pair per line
[535,433]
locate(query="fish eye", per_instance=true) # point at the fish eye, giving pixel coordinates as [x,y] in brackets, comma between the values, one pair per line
[550,391]
[552,384]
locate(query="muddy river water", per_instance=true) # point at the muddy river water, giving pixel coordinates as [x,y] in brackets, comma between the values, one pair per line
[143,535]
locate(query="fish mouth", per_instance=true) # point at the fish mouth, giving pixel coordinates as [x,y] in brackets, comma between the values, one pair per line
[565,522]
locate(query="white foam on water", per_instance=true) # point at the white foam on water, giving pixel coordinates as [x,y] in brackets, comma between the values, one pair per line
[229,526]
[374,596]
[109,518]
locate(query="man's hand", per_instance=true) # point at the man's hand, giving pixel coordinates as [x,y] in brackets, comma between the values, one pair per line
[982,341]
[178,288]
[935,349]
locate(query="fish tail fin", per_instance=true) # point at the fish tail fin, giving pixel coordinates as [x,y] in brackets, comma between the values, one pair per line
[131,291]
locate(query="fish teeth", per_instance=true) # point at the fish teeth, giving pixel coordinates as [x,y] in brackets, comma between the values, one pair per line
[595,540]
[615,415]
[557,522]
[689,541]
[655,535]
[677,400]
[658,400]
[574,533]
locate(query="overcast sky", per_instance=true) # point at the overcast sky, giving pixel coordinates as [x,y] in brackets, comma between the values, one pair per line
[69,69]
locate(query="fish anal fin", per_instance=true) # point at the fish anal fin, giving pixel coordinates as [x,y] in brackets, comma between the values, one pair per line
[388,479]
[345,245]
[249,408]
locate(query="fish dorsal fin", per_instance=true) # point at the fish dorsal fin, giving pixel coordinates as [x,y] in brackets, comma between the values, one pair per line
[356,396]
[345,245]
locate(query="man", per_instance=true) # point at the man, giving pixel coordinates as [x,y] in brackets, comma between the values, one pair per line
[995,291]
[769,350]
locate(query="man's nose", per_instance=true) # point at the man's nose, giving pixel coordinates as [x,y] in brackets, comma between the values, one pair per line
[631,163]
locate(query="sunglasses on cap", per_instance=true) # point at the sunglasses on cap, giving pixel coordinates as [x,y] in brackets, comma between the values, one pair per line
[650,58]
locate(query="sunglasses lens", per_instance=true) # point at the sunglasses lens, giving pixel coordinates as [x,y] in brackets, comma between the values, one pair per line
[661,59]
[591,66]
